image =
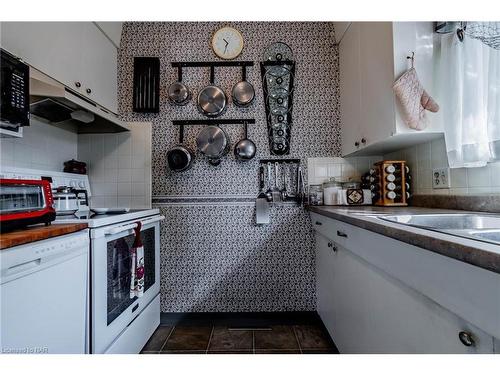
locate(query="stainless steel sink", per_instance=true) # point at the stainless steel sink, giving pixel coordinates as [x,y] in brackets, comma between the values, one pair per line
[482,227]
[447,221]
[491,235]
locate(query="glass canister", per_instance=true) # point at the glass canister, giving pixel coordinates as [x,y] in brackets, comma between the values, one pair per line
[316,195]
[331,192]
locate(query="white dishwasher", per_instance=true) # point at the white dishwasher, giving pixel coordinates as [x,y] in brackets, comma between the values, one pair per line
[44,296]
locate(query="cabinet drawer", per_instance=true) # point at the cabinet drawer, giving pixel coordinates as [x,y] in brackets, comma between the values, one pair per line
[333,229]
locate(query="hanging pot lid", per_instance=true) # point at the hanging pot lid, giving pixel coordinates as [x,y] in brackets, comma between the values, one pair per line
[212,141]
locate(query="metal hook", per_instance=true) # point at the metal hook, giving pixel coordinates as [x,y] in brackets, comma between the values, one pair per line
[412,58]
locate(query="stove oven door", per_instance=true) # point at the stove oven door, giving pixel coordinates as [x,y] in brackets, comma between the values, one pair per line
[113,309]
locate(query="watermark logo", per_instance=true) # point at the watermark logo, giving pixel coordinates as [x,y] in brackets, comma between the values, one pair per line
[26,350]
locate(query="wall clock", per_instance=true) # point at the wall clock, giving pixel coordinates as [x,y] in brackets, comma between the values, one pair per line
[227,43]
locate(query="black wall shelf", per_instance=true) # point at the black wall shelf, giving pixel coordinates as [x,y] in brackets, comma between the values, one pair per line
[236,121]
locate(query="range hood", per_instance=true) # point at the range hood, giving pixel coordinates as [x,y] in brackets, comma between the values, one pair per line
[55,103]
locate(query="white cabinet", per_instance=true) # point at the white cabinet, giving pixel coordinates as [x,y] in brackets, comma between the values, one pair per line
[366,310]
[77,54]
[372,56]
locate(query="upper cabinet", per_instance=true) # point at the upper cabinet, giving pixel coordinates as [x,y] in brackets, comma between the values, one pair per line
[78,54]
[372,57]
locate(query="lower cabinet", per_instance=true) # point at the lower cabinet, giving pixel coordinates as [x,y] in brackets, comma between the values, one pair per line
[367,311]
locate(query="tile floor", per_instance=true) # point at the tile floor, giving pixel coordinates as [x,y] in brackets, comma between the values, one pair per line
[207,339]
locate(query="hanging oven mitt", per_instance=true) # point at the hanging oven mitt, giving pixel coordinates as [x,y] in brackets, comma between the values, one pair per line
[414,100]
[137,271]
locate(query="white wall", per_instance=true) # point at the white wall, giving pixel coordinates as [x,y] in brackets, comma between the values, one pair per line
[464,181]
[43,146]
[119,166]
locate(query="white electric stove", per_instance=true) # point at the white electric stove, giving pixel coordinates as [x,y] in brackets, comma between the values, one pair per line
[118,323]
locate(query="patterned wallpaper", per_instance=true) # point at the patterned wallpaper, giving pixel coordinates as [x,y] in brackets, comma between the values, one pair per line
[206,266]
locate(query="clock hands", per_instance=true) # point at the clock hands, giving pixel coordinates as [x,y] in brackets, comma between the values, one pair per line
[227,43]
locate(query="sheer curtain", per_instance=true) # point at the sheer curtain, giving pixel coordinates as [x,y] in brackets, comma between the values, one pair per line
[469,94]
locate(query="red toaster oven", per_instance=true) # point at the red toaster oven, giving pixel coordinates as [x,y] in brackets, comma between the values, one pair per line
[25,202]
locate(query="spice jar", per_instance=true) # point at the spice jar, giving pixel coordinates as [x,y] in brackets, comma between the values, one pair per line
[331,192]
[316,195]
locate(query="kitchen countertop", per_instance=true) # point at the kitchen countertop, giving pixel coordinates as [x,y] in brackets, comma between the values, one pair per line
[37,233]
[475,252]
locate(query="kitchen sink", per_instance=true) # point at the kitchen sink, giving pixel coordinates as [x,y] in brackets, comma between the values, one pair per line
[492,235]
[448,221]
[482,227]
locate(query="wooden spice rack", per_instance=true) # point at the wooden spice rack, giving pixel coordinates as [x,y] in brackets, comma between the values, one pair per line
[383,176]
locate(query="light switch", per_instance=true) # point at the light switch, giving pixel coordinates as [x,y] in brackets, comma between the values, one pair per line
[441,178]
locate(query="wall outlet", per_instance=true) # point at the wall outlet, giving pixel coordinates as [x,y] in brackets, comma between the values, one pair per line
[441,178]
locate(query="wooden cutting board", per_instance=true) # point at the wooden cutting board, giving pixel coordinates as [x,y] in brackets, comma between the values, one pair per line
[37,233]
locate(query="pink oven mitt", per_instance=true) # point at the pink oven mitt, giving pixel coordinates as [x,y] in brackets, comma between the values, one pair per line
[414,100]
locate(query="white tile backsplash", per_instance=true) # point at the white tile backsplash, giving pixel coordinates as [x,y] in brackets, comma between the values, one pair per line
[423,158]
[42,146]
[119,167]
[320,170]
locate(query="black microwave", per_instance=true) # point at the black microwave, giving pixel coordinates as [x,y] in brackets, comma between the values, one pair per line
[14,103]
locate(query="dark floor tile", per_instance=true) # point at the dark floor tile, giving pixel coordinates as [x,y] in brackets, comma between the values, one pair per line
[319,351]
[230,351]
[188,338]
[277,351]
[313,337]
[226,339]
[156,341]
[183,352]
[279,337]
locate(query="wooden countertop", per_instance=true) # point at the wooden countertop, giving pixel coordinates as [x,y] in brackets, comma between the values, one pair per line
[37,233]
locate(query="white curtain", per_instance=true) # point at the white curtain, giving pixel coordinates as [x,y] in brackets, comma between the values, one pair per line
[469,95]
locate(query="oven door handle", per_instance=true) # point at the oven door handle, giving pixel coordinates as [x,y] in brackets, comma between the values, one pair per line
[123,228]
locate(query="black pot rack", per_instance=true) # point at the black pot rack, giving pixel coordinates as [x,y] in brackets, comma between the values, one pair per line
[281,161]
[236,121]
[209,64]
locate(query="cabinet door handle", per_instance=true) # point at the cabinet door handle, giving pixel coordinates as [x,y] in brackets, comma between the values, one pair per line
[78,84]
[332,246]
[341,234]
[466,338]
[363,140]
[356,144]
[88,91]
[319,223]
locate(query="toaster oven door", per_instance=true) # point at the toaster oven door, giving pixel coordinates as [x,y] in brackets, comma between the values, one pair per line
[16,198]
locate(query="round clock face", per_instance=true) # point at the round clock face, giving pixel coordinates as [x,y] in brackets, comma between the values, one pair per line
[227,43]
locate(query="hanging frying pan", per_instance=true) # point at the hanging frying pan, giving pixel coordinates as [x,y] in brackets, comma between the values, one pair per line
[179,157]
[212,100]
[213,142]
[243,92]
[245,149]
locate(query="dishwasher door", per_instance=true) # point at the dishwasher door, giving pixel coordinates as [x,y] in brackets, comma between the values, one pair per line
[44,296]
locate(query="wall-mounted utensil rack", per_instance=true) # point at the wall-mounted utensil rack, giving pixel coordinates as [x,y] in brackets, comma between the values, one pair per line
[278,105]
[285,180]
[237,121]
